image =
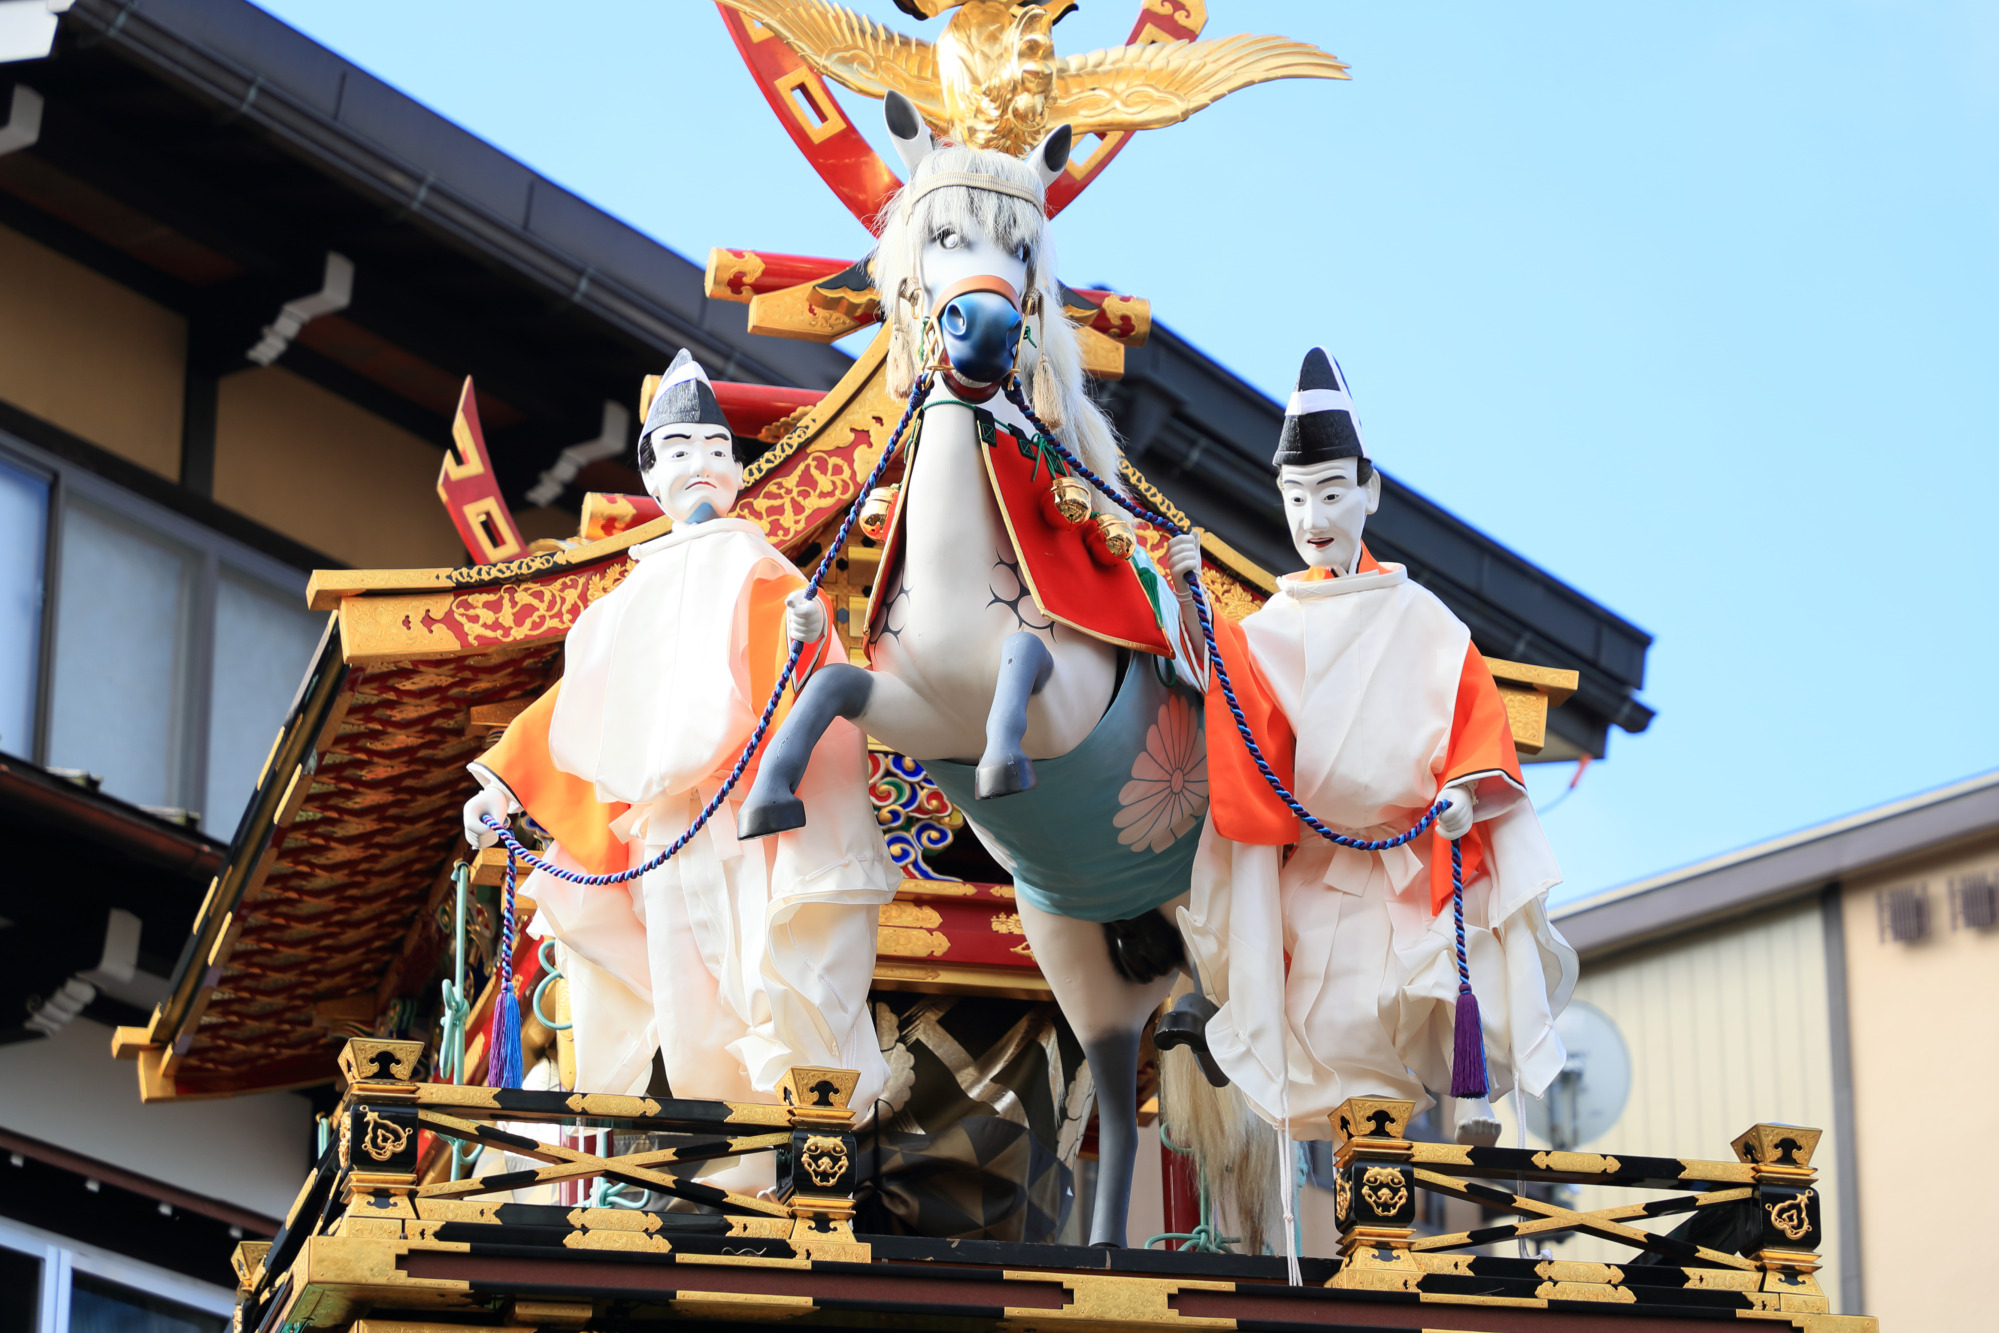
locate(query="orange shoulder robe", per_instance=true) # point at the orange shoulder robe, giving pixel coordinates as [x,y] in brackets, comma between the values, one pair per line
[1246,810]
[567,805]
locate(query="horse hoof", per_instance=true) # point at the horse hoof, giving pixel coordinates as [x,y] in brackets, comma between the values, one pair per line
[1181,1027]
[1007,775]
[761,818]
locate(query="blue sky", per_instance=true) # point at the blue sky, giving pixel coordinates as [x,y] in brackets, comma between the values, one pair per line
[1692,305]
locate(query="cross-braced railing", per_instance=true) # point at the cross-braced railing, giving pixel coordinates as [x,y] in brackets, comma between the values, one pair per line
[1764,1206]
[372,1178]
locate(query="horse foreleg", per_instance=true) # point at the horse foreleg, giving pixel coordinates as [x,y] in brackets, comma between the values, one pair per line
[1025,666]
[839,690]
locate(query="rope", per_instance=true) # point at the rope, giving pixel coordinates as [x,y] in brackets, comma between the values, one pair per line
[515,851]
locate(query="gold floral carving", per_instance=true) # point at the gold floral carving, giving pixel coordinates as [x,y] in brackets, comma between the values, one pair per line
[1007,923]
[1790,1217]
[1385,1190]
[824,1159]
[383,1140]
[790,505]
[528,612]
[1342,1197]
[908,942]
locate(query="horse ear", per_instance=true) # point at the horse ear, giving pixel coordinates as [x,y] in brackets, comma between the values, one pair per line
[1052,154]
[912,137]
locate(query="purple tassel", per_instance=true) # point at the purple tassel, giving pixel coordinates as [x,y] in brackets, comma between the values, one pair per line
[503,1065]
[1468,1051]
[503,1059]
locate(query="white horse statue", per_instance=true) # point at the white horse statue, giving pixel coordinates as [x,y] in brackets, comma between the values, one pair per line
[1022,649]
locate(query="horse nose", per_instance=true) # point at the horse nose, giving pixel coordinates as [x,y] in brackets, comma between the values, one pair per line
[980,332]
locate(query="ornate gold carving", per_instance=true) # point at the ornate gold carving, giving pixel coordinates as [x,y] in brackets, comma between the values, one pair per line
[1385,1190]
[1790,1216]
[911,914]
[1342,1198]
[732,274]
[1373,1118]
[993,80]
[1007,923]
[793,503]
[359,1059]
[813,1092]
[1577,1163]
[1785,1146]
[383,1139]
[824,1158]
[907,942]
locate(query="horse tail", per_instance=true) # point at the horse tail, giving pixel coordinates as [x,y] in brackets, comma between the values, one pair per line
[1239,1152]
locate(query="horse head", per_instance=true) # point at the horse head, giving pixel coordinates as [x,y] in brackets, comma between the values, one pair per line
[966,268]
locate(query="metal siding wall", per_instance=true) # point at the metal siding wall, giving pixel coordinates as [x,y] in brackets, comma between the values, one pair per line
[1726,1029]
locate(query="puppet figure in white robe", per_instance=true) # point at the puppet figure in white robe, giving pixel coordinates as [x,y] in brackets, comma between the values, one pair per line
[734,960]
[1367,698]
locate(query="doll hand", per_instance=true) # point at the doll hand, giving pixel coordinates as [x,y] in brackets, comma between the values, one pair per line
[1183,557]
[1457,818]
[490,801]
[804,617]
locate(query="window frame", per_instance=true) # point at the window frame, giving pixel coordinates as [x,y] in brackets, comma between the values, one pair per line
[62,1258]
[212,552]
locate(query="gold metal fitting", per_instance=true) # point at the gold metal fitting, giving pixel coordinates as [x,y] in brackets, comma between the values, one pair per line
[1070,497]
[875,511]
[1110,538]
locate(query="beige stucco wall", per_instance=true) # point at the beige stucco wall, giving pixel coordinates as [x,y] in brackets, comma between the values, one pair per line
[1725,1028]
[83,353]
[1926,1095]
[327,473]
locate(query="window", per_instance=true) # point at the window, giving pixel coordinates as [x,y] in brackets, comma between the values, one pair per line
[1904,914]
[97,1305]
[51,1284]
[167,655]
[24,507]
[1975,902]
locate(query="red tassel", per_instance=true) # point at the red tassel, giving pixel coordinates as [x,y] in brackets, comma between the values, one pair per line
[1468,1050]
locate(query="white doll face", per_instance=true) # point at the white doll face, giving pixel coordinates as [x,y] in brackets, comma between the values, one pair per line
[692,466]
[1326,508]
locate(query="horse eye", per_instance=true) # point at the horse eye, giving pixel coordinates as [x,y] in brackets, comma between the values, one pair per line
[949,238]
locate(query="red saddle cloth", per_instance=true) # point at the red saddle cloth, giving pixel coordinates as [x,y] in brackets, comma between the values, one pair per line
[1067,582]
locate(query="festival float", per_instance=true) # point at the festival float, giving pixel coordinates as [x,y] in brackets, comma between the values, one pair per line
[786,898]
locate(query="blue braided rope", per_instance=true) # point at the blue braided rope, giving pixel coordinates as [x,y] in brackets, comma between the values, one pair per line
[515,851]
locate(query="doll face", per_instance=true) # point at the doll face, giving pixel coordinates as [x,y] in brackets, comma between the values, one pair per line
[692,466]
[1326,508]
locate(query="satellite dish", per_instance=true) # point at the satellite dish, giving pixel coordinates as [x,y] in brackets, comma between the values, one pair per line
[1588,1096]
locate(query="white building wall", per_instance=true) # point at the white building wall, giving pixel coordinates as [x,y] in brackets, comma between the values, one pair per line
[66,1090]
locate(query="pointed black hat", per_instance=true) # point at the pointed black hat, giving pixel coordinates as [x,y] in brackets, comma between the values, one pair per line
[684,397]
[1319,422]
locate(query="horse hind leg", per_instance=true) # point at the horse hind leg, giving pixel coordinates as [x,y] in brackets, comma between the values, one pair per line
[1025,666]
[1113,1058]
[839,690]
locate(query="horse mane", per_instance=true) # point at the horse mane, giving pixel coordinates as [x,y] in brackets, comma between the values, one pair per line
[1060,396]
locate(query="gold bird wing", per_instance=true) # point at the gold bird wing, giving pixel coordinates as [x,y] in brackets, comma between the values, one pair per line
[1156,84]
[854,51]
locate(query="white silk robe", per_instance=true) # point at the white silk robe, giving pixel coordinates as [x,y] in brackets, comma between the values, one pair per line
[1333,976]
[736,960]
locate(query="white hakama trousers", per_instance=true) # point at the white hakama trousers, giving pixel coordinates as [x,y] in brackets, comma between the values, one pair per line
[1331,969]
